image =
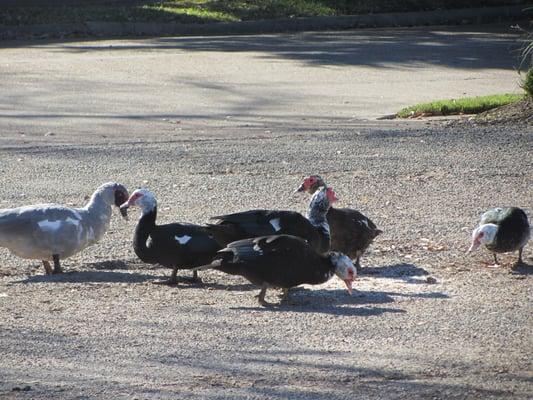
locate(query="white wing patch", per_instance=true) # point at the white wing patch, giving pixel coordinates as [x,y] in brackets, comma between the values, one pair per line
[76,214]
[275,224]
[49,226]
[182,239]
[258,249]
[72,221]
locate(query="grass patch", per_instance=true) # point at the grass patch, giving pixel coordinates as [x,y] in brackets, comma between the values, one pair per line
[468,105]
[201,11]
[160,12]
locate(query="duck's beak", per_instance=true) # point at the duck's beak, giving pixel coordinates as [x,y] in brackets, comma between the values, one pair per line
[348,283]
[124,210]
[301,188]
[474,246]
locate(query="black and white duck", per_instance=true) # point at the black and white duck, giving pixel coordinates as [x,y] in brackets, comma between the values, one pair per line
[53,232]
[175,245]
[351,231]
[249,224]
[502,230]
[281,261]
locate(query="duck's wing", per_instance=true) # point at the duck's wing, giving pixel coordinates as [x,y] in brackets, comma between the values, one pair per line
[279,260]
[42,230]
[12,220]
[41,218]
[273,248]
[493,216]
[186,237]
[253,223]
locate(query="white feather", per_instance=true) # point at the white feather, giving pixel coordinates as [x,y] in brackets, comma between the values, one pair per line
[275,224]
[182,239]
[72,221]
[49,226]
[258,249]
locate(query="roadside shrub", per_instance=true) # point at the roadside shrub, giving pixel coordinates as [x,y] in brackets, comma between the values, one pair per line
[527,82]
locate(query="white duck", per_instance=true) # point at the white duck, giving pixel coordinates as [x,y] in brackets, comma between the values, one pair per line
[51,232]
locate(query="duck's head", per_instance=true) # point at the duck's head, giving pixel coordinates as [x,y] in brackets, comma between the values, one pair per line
[311,184]
[142,198]
[344,269]
[483,234]
[114,194]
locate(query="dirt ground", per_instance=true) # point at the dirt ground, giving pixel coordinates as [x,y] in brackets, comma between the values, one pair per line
[105,330]
[220,124]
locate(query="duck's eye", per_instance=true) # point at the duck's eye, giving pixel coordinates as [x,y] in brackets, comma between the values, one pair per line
[120,197]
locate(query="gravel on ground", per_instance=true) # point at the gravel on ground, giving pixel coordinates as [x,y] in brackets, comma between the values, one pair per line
[104,330]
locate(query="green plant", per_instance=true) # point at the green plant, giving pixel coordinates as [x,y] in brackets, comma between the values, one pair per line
[526,50]
[527,82]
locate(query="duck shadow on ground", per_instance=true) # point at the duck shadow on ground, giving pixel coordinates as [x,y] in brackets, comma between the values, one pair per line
[89,277]
[238,285]
[522,269]
[338,302]
[399,271]
[185,283]
[329,309]
[112,265]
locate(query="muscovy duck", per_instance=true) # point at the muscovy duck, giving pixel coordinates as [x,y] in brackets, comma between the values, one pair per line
[281,261]
[51,232]
[254,223]
[502,230]
[351,231]
[176,245]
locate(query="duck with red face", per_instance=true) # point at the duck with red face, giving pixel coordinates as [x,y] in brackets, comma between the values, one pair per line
[351,231]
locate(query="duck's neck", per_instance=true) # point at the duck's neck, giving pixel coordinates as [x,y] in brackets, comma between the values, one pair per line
[322,271]
[144,227]
[97,205]
[99,214]
[317,216]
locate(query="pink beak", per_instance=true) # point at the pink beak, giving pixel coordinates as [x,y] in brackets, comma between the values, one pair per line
[301,188]
[348,283]
[474,246]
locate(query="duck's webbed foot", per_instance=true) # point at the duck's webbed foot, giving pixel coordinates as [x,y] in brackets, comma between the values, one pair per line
[496,263]
[261,296]
[193,279]
[170,281]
